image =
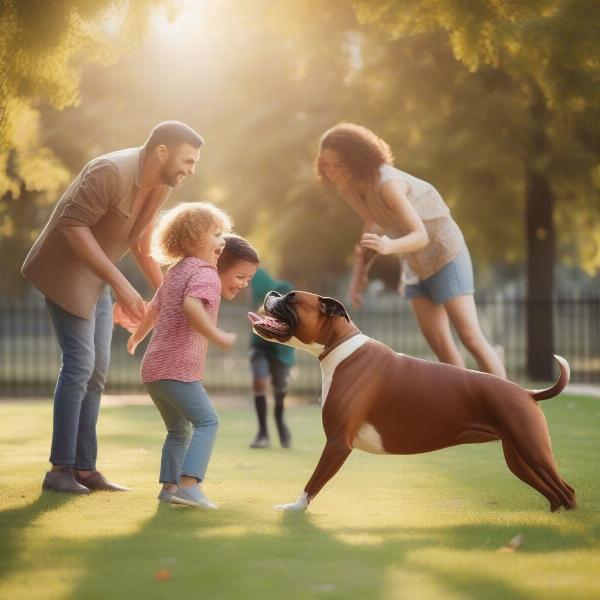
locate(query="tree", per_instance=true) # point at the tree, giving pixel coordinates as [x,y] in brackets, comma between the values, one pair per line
[263,86]
[261,111]
[43,46]
[549,50]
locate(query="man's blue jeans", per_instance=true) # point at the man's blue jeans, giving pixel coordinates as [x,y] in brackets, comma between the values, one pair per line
[85,346]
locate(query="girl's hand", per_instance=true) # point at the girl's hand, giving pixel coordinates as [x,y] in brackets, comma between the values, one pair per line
[379,243]
[124,319]
[226,340]
[132,344]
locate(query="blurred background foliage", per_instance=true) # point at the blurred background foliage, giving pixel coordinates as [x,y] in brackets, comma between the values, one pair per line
[479,97]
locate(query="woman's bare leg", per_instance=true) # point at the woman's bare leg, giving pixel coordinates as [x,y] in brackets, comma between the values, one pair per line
[463,314]
[435,327]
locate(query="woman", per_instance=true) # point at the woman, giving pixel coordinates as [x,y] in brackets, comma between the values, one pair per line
[406,216]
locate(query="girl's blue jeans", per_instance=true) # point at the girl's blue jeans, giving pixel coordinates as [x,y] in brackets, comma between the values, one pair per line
[191,423]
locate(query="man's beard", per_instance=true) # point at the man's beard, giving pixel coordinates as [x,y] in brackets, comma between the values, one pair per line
[170,176]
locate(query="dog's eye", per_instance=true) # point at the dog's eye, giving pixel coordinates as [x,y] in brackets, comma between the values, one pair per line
[290,298]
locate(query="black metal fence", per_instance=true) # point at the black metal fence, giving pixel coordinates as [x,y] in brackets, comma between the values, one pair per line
[30,357]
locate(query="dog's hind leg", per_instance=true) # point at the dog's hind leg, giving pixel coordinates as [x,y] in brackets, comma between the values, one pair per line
[521,469]
[524,427]
[540,472]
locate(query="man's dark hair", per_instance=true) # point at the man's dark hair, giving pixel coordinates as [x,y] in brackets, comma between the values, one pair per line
[172,133]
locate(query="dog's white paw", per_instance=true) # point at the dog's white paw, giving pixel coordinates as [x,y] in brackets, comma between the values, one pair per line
[291,506]
[300,504]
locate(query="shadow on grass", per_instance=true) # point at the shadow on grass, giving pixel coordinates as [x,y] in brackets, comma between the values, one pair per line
[223,554]
[16,521]
[227,554]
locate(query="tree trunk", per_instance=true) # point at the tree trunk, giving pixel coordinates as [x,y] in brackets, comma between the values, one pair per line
[539,229]
[540,276]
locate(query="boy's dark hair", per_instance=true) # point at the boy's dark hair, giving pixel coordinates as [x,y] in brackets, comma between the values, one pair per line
[172,133]
[236,248]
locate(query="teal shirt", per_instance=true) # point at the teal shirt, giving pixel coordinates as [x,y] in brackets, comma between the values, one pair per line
[261,284]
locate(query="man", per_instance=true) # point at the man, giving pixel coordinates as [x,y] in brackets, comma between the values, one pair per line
[272,361]
[109,209]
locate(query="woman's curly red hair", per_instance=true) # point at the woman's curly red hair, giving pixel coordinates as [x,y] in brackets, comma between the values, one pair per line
[361,151]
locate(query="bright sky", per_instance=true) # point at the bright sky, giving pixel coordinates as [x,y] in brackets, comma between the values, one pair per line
[171,27]
[175,27]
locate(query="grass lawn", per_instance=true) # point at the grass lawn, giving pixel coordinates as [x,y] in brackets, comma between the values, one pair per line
[426,526]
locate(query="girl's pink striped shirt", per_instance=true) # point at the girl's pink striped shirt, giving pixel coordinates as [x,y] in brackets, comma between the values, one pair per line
[177,351]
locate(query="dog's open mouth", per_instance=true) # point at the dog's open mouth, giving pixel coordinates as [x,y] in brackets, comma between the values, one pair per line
[279,320]
[270,327]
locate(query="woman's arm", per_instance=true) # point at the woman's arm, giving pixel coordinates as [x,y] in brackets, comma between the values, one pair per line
[142,330]
[393,193]
[363,260]
[198,318]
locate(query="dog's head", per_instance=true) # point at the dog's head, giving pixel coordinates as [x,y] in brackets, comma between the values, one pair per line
[297,316]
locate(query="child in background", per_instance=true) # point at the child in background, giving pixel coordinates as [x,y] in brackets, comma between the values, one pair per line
[183,313]
[269,360]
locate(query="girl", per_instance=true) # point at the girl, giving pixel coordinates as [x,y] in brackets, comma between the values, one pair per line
[416,223]
[183,313]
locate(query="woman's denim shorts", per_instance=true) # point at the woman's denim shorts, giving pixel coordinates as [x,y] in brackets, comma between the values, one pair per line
[452,280]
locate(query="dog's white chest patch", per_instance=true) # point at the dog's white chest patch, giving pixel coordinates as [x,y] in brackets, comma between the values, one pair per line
[369,440]
[334,358]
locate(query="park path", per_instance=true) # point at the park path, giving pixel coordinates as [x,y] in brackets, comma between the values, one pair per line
[241,400]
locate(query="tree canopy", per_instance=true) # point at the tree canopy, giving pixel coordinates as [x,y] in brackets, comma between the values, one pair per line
[449,84]
[44,47]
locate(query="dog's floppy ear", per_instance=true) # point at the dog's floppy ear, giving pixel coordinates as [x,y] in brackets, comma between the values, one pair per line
[332,308]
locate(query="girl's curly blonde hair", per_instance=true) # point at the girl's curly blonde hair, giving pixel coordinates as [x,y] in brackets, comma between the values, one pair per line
[181,230]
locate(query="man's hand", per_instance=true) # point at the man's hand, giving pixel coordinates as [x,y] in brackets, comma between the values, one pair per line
[130,304]
[121,318]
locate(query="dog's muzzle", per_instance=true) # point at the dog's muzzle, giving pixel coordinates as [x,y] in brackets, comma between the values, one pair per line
[280,318]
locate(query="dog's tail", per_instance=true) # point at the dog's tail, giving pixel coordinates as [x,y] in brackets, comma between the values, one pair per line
[559,386]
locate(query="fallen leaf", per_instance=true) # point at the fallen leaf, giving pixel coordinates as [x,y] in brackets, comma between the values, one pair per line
[162,575]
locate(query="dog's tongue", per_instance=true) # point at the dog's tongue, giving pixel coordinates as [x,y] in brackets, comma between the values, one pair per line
[269,323]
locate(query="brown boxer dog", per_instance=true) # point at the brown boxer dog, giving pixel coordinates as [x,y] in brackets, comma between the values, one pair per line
[383,402]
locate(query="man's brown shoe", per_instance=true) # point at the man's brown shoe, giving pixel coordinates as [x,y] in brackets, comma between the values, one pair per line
[96,482]
[63,481]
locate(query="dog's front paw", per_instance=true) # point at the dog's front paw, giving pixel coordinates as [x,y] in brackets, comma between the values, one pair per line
[299,505]
[292,506]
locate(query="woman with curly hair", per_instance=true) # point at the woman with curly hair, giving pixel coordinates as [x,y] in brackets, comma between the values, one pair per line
[407,216]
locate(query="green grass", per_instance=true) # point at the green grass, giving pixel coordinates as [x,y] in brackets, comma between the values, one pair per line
[426,526]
